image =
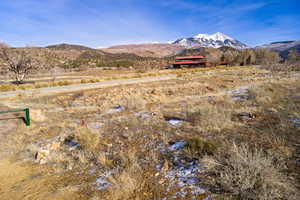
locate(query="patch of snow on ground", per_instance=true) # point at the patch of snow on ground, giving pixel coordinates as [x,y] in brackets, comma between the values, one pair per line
[95,125]
[102,182]
[184,172]
[239,93]
[240,90]
[177,146]
[175,121]
[296,121]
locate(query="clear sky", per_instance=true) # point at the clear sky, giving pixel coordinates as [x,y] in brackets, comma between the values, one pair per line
[100,23]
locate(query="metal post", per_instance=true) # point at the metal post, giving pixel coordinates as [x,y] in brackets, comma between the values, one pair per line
[27,116]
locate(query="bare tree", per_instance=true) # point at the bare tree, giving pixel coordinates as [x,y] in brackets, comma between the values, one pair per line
[294,56]
[248,57]
[18,62]
[265,56]
[231,57]
[214,56]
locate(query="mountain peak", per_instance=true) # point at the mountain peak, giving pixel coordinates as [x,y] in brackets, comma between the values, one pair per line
[216,36]
[215,40]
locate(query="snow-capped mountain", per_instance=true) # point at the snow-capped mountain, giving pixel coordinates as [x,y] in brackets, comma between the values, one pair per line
[215,41]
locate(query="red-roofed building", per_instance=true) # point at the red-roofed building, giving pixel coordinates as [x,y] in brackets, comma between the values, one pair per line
[190,61]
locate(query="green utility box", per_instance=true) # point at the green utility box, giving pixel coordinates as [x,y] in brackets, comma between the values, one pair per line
[27,114]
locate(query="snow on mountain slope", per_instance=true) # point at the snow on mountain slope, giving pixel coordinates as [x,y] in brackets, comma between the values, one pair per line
[214,41]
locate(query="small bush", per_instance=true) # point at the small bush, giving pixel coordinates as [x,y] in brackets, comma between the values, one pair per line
[83,81]
[87,139]
[133,181]
[136,102]
[198,146]
[93,80]
[40,85]
[63,83]
[249,173]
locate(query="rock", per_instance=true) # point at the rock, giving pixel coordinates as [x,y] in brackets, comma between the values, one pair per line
[71,143]
[55,145]
[37,115]
[245,116]
[41,156]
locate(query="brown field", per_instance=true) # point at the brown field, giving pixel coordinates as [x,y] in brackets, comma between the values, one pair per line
[224,133]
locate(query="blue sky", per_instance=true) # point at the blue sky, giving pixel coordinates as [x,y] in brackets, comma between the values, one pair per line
[109,22]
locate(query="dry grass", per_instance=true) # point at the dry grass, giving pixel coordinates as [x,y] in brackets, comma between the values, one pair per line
[282,67]
[132,145]
[87,139]
[7,87]
[210,117]
[134,182]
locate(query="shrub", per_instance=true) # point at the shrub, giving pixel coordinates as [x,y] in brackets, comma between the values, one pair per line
[248,173]
[135,102]
[93,80]
[197,146]
[83,81]
[87,139]
[134,182]
[63,83]
[40,85]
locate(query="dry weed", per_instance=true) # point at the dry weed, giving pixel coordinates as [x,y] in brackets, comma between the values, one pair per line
[248,173]
[87,139]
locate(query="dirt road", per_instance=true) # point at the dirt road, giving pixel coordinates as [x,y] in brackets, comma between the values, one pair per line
[79,87]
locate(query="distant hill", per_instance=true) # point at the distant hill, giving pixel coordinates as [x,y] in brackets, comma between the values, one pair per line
[283,47]
[146,50]
[65,46]
[3,45]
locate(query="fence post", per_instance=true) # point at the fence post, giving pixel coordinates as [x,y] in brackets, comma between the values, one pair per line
[27,116]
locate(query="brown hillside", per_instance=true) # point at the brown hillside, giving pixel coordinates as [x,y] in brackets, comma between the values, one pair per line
[147,50]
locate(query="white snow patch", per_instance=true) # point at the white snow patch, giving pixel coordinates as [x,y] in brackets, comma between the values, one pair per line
[177,146]
[215,36]
[240,90]
[296,121]
[102,182]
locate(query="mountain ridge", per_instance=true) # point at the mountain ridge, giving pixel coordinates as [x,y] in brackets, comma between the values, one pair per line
[215,40]
[282,47]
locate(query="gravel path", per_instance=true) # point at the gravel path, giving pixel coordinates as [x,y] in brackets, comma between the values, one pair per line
[79,87]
